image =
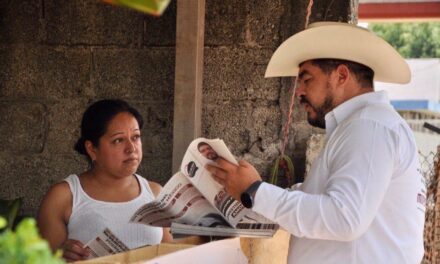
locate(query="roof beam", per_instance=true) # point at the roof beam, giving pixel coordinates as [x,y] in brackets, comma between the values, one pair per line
[398,10]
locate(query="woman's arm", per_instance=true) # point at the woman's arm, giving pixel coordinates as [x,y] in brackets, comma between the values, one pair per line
[53,217]
[53,214]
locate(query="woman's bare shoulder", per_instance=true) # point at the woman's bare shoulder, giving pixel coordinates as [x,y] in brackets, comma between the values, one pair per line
[57,202]
[59,194]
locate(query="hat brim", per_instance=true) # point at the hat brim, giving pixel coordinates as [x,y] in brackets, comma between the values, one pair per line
[333,40]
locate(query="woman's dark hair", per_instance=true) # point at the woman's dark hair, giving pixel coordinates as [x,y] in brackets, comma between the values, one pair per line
[364,74]
[96,119]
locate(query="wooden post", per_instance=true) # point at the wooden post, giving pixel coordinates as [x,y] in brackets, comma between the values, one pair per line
[190,29]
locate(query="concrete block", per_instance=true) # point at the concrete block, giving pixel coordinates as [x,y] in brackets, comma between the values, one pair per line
[299,134]
[156,169]
[315,144]
[265,123]
[227,121]
[44,72]
[20,21]
[89,22]
[17,174]
[157,131]
[161,31]
[338,10]
[264,22]
[244,126]
[23,127]
[30,176]
[64,125]
[157,115]
[157,145]
[225,22]
[142,74]
[334,11]
[237,73]
[62,165]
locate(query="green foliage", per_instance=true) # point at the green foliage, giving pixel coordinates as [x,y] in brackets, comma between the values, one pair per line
[3,222]
[25,246]
[153,7]
[9,209]
[411,40]
[282,169]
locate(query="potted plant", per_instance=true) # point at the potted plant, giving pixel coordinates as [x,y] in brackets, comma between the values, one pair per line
[24,244]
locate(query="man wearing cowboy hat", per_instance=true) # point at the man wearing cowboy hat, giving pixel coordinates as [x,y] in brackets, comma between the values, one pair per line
[363,200]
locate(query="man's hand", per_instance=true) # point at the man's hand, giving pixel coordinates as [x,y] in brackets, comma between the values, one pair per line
[73,250]
[235,179]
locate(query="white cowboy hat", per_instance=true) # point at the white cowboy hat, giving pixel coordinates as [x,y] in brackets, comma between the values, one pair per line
[335,40]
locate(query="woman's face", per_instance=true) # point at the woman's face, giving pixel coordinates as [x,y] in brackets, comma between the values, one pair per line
[120,149]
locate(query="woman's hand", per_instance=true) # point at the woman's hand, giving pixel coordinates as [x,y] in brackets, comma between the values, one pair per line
[73,250]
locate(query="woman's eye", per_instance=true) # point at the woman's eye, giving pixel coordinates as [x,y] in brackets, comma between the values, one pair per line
[136,137]
[118,140]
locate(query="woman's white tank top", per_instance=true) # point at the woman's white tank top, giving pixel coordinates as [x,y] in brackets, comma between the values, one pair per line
[90,217]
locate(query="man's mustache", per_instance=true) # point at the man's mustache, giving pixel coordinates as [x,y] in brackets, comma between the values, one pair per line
[303,100]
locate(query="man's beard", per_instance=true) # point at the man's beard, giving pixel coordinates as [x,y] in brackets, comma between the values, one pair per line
[320,110]
[212,156]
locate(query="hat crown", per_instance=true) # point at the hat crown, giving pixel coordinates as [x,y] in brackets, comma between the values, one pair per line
[337,40]
[333,23]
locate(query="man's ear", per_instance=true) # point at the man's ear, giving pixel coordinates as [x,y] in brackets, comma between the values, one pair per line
[342,74]
[90,149]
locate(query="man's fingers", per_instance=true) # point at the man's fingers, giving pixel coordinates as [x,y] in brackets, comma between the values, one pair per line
[217,173]
[211,168]
[225,165]
[244,163]
[219,180]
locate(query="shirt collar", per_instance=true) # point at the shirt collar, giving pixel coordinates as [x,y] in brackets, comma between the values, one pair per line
[344,110]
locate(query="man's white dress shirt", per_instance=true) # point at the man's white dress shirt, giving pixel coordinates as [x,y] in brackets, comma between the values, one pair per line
[363,200]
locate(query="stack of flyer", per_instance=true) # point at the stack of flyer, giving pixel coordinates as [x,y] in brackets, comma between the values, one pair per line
[193,203]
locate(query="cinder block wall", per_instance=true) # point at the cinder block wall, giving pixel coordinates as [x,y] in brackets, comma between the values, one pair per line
[240,105]
[56,57]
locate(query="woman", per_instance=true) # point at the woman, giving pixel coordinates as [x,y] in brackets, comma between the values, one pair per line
[76,210]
